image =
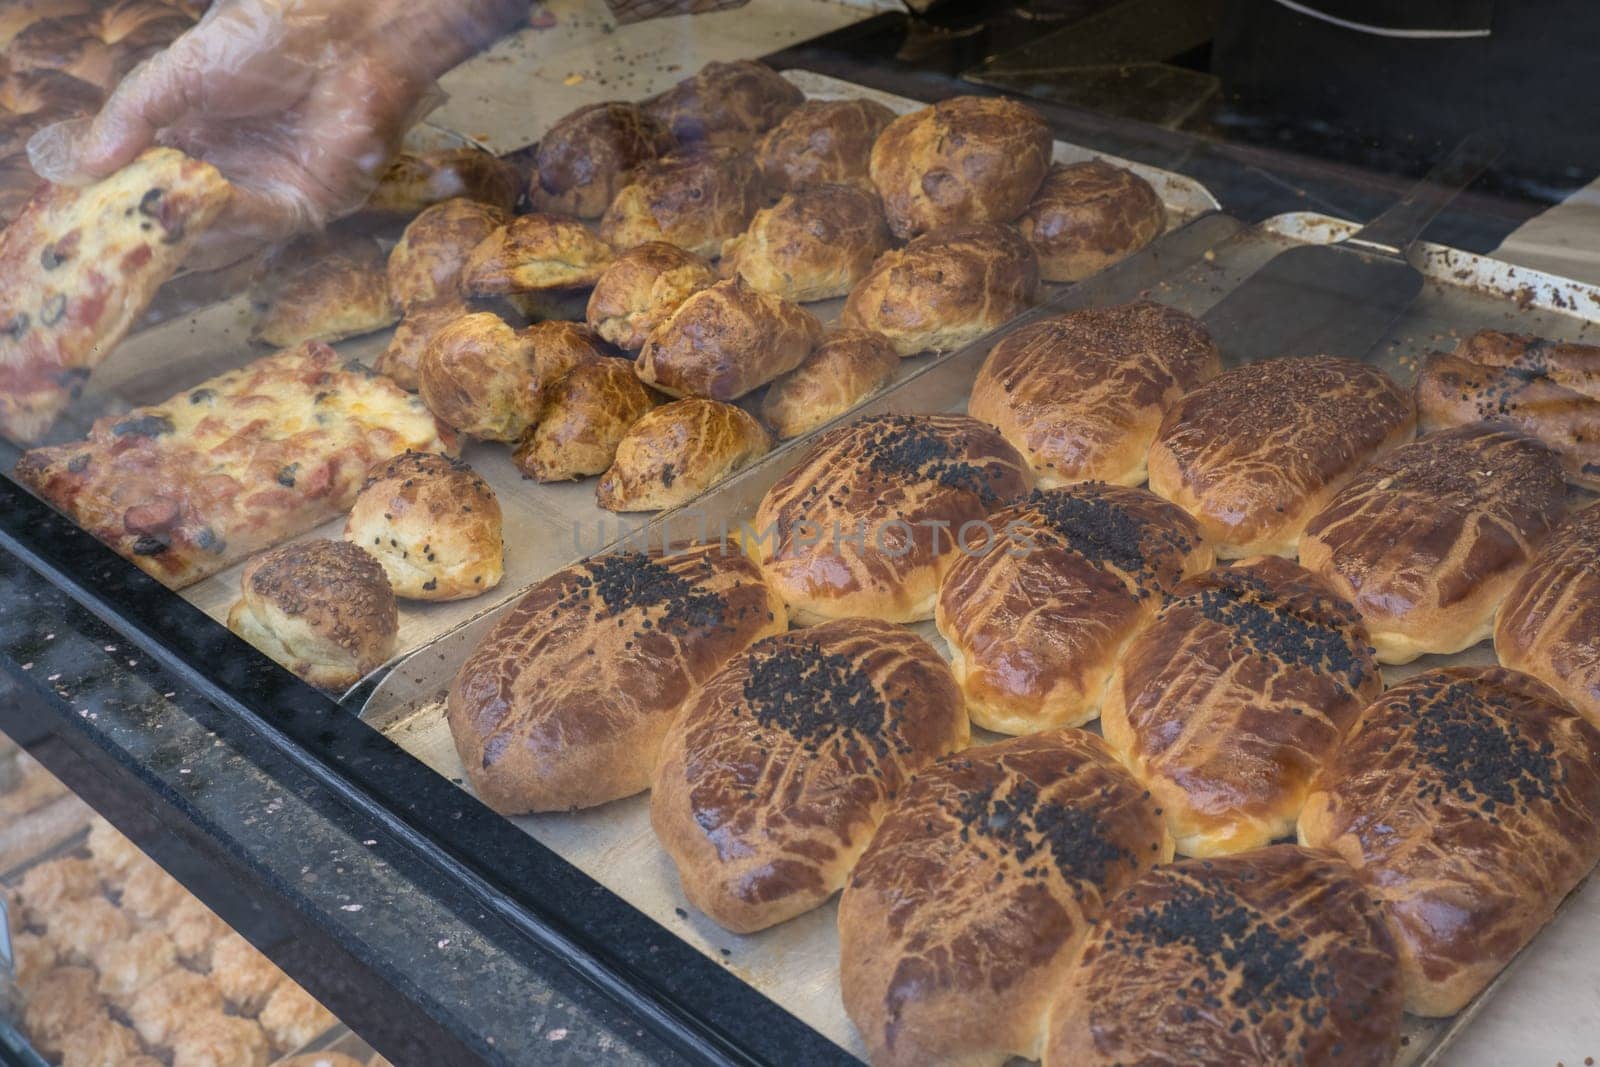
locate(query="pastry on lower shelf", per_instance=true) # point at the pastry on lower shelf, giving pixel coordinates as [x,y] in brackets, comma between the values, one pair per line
[113,854]
[642,288]
[677,451]
[535,252]
[959,920]
[126,967]
[161,1009]
[725,103]
[1258,450]
[1087,216]
[1081,395]
[401,358]
[325,290]
[1268,957]
[866,522]
[195,930]
[292,1017]
[481,375]
[1468,798]
[726,341]
[963,160]
[79,928]
[946,288]
[427,263]
[1549,621]
[1427,540]
[149,892]
[586,414]
[51,885]
[695,200]
[104,1042]
[823,141]
[813,244]
[415,181]
[433,524]
[777,770]
[212,1039]
[1243,685]
[564,703]
[243,975]
[1037,618]
[845,369]
[590,154]
[322,608]
[60,1003]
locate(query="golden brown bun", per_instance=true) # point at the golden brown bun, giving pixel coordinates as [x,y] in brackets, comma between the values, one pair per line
[1550,389]
[726,340]
[846,368]
[558,347]
[212,1039]
[778,769]
[433,525]
[401,358]
[292,1017]
[1469,800]
[62,1002]
[535,252]
[160,1010]
[898,489]
[823,141]
[1037,618]
[128,966]
[1549,623]
[642,288]
[586,414]
[695,200]
[1087,216]
[323,609]
[813,244]
[965,159]
[413,182]
[590,154]
[1267,958]
[725,104]
[969,905]
[427,262]
[677,451]
[946,288]
[1428,540]
[325,290]
[1257,451]
[564,703]
[1226,704]
[1082,394]
[482,377]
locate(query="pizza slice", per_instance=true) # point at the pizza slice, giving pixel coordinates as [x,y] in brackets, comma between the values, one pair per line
[237,464]
[80,266]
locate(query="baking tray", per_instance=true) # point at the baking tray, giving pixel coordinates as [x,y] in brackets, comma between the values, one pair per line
[796,963]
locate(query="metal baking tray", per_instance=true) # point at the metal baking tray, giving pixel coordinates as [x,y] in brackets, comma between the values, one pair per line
[796,963]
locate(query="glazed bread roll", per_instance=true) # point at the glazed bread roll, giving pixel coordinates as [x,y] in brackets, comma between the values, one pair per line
[433,525]
[1087,216]
[323,609]
[866,522]
[695,200]
[846,368]
[1428,540]
[415,181]
[586,414]
[1277,956]
[401,358]
[725,341]
[558,347]
[482,377]
[586,158]
[811,245]
[1003,857]
[324,290]
[725,104]
[565,701]
[1256,452]
[780,766]
[823,141]
[1037,618]
[966,159]
[641,289]
[1469,801]
[427,262]
[1549,621]
[1550,389]
[1082,394]
[677,451]
[1229,701]
[535,252]
[945,288]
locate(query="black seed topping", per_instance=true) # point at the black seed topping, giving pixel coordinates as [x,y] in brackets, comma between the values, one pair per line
[633,581]
[1019,824]
[1245,605]
[817,697]
[143,426]
[1481,758]
[903,447]
[1107,535]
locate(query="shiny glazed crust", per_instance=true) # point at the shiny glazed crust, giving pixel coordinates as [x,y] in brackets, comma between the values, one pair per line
[677,451]
[725,341]
[960,919]
[401,358]
[426,264]
[532,253]
[482,377]
[695,200]
[813,244]
[823,141]
[725,104]
[590,154]
[586,414]
[846,368]
[641,289]
[1087,216]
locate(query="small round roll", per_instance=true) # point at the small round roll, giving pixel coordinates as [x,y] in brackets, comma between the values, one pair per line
[725,341]
[590,154]
[427,262]
[1087,216]
[846,368]
[695,200]
[481,376]
[946,288]
[823,141]
[323,609]
[586,414]
[532,253]
[641,289]
[559,346]
[963,160]
[677,451]
[725,104]
[432,523]
[813,244]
